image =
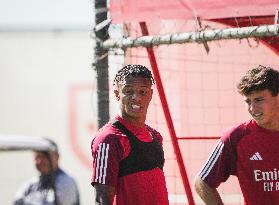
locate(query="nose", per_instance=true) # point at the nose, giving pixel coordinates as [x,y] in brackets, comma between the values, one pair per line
[38,161]
[135,96]
[253,107]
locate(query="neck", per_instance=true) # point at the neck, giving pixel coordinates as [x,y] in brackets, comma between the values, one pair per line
[273,126]
[137,122]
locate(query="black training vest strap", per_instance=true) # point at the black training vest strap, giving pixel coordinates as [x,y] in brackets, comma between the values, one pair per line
[143,155]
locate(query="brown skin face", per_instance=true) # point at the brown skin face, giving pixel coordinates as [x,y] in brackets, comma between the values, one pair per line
[42,163]
[264,108]
[134,96]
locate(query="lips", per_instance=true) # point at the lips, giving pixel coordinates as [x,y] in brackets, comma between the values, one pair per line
[136,107]
[257,115]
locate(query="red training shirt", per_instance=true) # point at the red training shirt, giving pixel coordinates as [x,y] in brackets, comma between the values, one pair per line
[252,154]
[109,147]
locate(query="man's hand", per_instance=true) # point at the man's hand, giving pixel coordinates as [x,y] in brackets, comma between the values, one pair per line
[104,194]
[209,195]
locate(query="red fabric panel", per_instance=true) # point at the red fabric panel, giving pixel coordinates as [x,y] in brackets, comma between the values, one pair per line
[223,11]
[148,10]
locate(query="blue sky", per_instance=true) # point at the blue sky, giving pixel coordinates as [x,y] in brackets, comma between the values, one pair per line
[46,14]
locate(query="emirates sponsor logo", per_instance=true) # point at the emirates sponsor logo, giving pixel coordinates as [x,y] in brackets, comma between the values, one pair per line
[268,179]
[266,175]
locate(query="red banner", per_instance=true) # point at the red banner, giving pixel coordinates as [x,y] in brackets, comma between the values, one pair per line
[152,10]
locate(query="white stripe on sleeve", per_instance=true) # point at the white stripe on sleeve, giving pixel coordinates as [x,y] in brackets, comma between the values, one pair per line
[102,158]
[212,160]
[98,162]
[106,162]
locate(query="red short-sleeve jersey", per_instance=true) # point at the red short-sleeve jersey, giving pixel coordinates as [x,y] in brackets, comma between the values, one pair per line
[251,153]
[109,147]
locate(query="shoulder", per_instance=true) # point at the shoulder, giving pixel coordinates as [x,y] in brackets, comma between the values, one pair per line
[27,187]
[67,189]
[108,137]
[65,180]
[236,133]
[107,134]
[65,177]
[154,131]
[31,182]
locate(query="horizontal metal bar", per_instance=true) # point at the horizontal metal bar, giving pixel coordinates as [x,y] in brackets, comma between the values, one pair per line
[190,37]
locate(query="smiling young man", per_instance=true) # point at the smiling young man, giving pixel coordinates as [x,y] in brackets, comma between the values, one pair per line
[250,150]
[128,157]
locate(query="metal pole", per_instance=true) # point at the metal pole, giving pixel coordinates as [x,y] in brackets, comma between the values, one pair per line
[101,62]
[165,106]
[198,37]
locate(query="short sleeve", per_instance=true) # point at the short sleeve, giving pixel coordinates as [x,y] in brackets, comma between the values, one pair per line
[106,154]
[220,165]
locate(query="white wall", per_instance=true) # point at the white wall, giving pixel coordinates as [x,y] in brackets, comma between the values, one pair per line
[46,15]
[37,72]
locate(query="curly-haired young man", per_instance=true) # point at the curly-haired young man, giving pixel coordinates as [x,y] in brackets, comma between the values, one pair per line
[128,157]
[250,150]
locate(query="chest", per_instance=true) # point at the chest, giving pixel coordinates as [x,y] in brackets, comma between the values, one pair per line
[259,152]
[258,165]
[40,197]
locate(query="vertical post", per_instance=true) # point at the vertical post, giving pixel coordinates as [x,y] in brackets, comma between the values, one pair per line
[165,106]
[101,63]
[276,17]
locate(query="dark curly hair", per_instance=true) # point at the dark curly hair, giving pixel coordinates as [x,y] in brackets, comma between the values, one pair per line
[259,78]
[134,71]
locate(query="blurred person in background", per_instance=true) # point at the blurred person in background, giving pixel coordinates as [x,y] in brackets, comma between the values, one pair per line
[249,150]
[128,157]
[52,187]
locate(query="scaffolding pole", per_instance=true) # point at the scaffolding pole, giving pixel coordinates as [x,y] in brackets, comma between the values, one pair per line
[190,37]
[100,63]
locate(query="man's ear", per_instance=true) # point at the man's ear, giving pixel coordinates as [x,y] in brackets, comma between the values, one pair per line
[116,93]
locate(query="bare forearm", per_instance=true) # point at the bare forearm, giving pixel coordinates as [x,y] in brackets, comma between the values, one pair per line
[209,195]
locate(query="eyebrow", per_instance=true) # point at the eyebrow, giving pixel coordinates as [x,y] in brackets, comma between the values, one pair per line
[256,98]
[247,100]
[143,86]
